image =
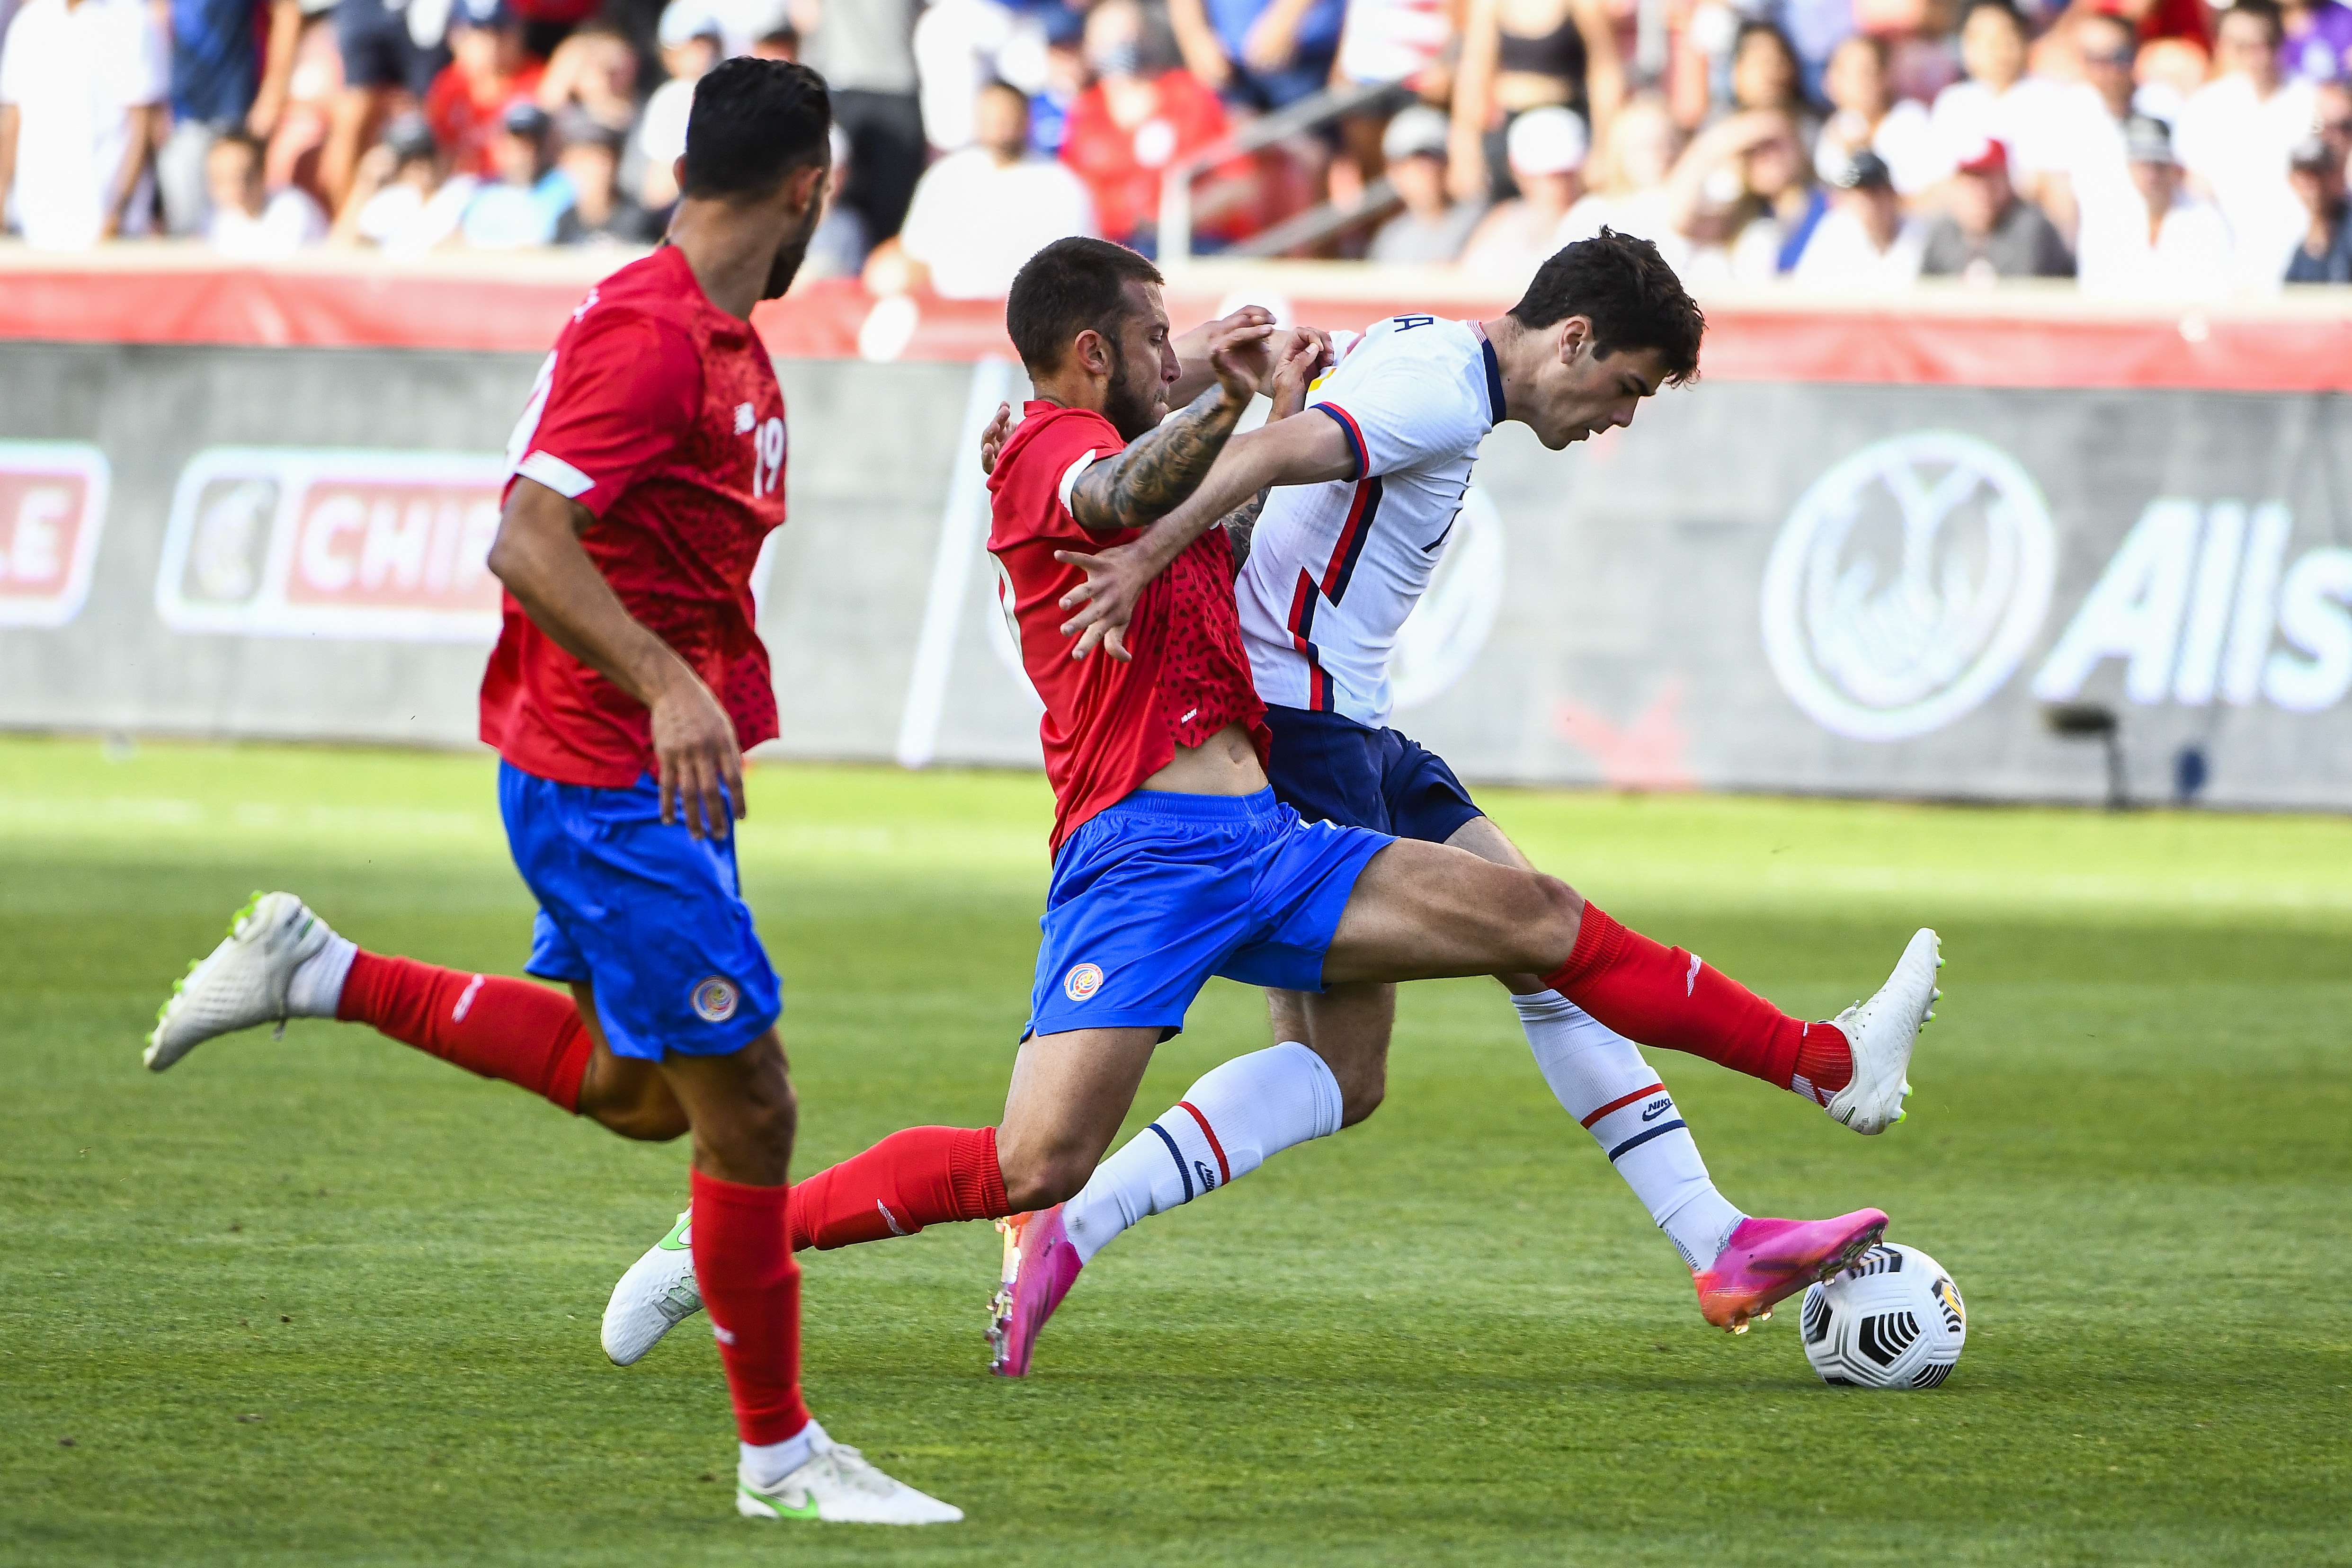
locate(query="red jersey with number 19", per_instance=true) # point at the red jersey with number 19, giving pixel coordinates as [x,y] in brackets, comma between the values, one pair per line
[1108,725]
[660,414]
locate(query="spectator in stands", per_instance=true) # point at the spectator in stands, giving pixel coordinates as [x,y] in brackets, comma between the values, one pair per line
[1992,232]
[2325,254]
[403,200]
[588,161]
[1866,116]
[1766,75]
[1139,116]
[865,50]
[2317,45]
[2168,242]
[2095,171]
[1998,102]
[382,60]
[594,70]
[689,48]
[1386,43]
[527,199]
[1260,53]
[250,222]
[1434,226]
[1744,199]
[1519,55]
[1547,149]
[488,73]
[978,214]
[82,90]
[2234,137]
[838,248]
[222,80]
[1062,79]
[1629,176]
[1865,242]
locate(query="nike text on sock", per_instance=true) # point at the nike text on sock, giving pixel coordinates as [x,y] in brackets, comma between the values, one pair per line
[1227,1125]
[1600,1080]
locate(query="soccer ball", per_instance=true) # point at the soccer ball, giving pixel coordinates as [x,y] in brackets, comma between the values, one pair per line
[1893,1320]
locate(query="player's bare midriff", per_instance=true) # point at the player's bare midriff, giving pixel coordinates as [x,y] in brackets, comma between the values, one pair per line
[1225,764]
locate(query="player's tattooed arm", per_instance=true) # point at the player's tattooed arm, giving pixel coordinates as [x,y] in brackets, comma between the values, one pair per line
[1147,481]
[1240,526]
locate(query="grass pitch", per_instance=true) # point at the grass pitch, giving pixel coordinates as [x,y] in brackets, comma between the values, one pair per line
[324,1300]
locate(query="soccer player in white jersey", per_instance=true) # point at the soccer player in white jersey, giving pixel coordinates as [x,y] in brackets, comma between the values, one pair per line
[1342,518]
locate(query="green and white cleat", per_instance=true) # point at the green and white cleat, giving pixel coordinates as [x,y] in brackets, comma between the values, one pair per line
[1881,1033]
[653,1297]
[838,1487]
[248,979]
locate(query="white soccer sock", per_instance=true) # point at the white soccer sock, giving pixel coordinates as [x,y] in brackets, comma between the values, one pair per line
[1600,1080]
[765,1464]
[1224,1128]
[315,989]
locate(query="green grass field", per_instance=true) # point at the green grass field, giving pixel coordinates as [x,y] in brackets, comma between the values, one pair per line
[324,1300]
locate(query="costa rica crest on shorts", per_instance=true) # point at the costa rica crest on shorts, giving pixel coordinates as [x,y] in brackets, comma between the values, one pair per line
[1082,981]
[714,999]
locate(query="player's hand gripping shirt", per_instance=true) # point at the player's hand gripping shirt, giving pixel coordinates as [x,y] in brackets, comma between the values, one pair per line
[660,414]
[1109,725]
[1337,567]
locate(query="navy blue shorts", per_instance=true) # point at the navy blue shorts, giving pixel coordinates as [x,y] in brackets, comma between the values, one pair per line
[1160,891]
[1329,768]
[647,913]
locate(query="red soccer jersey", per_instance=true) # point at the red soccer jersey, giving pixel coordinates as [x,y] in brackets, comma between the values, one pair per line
[1108,726]
[659,413]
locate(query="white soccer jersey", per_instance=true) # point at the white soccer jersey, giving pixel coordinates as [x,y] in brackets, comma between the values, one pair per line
[1334,568]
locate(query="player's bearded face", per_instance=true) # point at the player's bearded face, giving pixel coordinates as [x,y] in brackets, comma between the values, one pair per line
[1137,395]
[794,248]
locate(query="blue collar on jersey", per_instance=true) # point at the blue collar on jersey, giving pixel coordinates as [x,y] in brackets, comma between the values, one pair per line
[1493,380]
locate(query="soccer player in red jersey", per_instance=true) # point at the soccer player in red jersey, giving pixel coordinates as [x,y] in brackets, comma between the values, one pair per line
[1172,858]
[627,681]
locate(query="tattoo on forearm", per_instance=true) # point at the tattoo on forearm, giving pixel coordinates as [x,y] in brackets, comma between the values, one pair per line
[1240,526]
[1149,479]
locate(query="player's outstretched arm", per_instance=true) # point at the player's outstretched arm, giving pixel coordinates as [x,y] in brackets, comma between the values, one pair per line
[1281,452]
[1145,482]
[537,554]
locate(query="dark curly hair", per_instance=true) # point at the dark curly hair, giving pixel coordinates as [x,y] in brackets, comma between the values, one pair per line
[1629,294]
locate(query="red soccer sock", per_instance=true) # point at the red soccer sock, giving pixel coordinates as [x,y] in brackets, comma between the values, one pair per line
[924,1176]
[489,1024]
[752,1288]
[1665,996]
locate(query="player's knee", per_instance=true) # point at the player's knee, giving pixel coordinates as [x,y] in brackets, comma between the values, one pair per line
[1548,924]
[1362,1092]
[1037,1177]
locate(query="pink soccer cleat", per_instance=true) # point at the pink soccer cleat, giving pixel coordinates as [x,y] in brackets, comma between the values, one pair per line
[1040,1266]
[1765,1260]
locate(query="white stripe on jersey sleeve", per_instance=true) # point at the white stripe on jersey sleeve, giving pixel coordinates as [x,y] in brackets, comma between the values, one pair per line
[547,469]
[1070,479]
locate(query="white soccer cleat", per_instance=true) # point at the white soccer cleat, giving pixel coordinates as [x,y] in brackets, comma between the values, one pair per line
[1881,1033]
[243,981]
[653,1297]
[838,1487]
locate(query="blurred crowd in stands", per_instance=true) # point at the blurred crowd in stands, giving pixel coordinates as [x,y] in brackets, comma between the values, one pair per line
[2145,147]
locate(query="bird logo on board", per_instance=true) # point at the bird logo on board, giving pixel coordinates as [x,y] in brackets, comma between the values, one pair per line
[714,1000]
[1082,981]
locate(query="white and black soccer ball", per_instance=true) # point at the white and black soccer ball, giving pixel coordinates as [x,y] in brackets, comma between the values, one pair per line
[1895,1320]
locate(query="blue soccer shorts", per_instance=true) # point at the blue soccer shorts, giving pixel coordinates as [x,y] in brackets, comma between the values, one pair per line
[646,913]
[1329,768]
[1163,890]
